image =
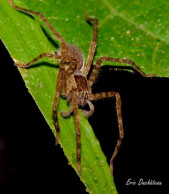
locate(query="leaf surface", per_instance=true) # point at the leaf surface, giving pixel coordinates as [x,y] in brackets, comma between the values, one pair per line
[138,30]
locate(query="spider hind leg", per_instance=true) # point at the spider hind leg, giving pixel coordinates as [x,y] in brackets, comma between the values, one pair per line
[102,95]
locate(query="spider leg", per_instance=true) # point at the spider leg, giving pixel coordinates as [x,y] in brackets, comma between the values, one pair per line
[71,68]
[101,95]
[74,108]
[43,18]
[97,66]
[93,43]
[55,103]
[55,56]
[89,113]
[77,124]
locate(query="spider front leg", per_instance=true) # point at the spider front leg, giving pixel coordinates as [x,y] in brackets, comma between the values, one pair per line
[101,95]
[93,45]
[55,103]
[77,125]
[74,108]
[54,56]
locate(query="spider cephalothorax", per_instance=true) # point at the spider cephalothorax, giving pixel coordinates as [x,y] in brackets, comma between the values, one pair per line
[73,84]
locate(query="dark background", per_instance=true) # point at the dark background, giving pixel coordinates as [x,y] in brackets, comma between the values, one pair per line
[30,161]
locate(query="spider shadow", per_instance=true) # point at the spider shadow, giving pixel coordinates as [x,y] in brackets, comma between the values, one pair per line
[44,64]
[46,32]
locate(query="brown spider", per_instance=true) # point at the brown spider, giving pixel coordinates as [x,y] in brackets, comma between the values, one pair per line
[73,84]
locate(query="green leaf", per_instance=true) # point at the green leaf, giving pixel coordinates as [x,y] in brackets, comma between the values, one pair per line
[138,30]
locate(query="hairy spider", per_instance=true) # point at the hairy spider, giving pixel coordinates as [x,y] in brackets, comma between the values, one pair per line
[73,84]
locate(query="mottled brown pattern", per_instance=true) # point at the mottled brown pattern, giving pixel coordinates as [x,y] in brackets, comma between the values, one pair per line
[72,81]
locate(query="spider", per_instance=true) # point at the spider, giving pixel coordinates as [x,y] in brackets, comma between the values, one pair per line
[73,84]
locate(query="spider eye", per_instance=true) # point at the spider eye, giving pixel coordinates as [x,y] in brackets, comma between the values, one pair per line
[67,62]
